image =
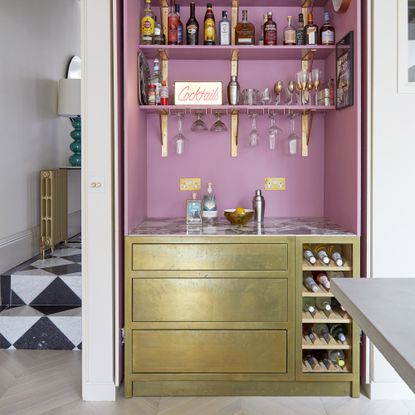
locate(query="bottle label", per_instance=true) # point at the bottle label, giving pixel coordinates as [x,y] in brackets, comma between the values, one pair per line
[311,36]
[245,41]
[173,29]
[225,35]
[270,37]
[147,26]
[327,37]
[289,37]
[209,30]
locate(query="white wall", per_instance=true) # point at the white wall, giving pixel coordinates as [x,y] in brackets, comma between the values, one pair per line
[391,191]
[38,38]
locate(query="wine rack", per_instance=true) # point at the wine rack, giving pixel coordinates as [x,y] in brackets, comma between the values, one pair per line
[313,363]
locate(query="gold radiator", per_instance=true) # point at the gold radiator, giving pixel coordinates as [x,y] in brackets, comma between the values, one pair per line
[53,208]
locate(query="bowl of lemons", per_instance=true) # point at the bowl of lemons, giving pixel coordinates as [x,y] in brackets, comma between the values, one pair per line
[239,216]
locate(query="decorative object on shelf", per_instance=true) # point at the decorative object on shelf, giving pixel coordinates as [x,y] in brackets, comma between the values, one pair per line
[345,72]
[199,93]
[143,79]
[69,105]
[341,6]
[194,211]
[234,91]
[239,216]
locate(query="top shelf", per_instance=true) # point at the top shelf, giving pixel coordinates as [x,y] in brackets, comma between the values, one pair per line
[279,52]
[262,3]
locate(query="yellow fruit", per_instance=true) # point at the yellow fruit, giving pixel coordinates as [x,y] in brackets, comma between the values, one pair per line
[240,211]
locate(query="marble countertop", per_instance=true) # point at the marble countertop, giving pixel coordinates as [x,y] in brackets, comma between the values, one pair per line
[271,227]
[384,308]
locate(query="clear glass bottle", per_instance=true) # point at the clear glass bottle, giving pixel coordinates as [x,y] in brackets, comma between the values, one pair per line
[337,357]
[270,31]
[158,33]
[209,27]
[173,27]
[311,31]
[245,31]
[327,32]
[155,79]
[210,209]
[322,255]
[192,27]
[179,25]
[261,34]
[289,33]
[224,29]
[147,24]
[300,37]
[310,284]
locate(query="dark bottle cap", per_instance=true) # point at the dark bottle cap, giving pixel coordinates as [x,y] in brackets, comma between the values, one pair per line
[209,5]
[224,13]
[177,7]
[301,17]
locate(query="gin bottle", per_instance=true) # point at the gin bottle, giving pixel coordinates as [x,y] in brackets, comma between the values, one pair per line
[225,29]
[210,210]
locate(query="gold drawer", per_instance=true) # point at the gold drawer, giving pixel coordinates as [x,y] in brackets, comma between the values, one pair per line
[210,300]
[209,351]
[260,257]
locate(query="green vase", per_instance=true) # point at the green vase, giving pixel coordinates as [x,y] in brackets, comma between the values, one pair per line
[75,159]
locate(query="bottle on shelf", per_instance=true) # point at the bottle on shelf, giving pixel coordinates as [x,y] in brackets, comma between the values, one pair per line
[209,32]
[289,33]
[261,33]
[322,255]
[338,331]
[234,91]
[335,304]
[337,357]
[323,360]
[311,31]
[158,38]
[327,32]
[335,255]
[300,36]
[147,24]
[322,279]
[308,255]
[245,31]
[309,305]
[225,30]
[322,331]
[308,333]
[164,94]
[192,27]
[210,210]
[270,31]
[151,95]
[312,361]
[173,29]
[179,25]
[323,304]
[310,284]
[155,79]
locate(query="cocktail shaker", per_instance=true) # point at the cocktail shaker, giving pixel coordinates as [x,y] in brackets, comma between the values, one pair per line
[258,205]
[233,91]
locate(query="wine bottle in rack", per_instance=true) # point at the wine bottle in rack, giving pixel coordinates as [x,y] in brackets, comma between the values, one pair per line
[309,305]
[308,332]
[335,255]
[335,304]
[308,255]
[322,255]
[337,357]
[321,278]
[312,361]
[322,331]
[311,284]
[323,304]
[338,331]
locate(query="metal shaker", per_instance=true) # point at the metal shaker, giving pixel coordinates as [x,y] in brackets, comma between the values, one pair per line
[258,204]
[233,91]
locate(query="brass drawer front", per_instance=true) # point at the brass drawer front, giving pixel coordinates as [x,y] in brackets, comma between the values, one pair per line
[209,351]
[210,257]
[210,300]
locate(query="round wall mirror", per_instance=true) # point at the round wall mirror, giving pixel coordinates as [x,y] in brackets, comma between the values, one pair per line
[74,68]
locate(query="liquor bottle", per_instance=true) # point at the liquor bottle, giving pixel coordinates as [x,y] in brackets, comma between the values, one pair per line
[289,33]
[308,255]
[322,254]
[335,255]
[155,79]
[308,332]
[164,94]
[261,33]
[179,25]
[209,26]
[327,32]
[312,361]
[322,330]
[311,31]
[173,30]
[300,36]
[321,278]
[147,24]
[210,210]
[309,305]
[224,29]
[323,304]
[338,331]
[192,27]
[245,31]
[270,31]
[337,357]
[311,284]
[158,33]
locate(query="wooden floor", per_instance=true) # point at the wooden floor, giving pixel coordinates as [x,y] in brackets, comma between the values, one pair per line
[49,383]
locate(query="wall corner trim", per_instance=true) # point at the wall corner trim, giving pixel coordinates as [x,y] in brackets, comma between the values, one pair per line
[98,392]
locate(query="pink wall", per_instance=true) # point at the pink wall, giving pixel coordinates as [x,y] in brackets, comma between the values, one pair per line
[342,201]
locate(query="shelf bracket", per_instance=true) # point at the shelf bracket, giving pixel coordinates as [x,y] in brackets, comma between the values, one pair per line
[164,118]
[164,13]
[234,62]
[306,123]
[234,20]
[234,133]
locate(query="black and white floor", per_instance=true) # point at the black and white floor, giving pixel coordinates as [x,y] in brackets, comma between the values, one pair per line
[41,302]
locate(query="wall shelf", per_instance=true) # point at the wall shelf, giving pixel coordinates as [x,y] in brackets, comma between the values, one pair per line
[263,3]
[336,316]
[279,52]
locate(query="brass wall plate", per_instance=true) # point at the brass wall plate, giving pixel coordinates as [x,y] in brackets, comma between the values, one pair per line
[190,184]
[275,183]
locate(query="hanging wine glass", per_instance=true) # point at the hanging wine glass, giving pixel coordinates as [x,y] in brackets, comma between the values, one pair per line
[293,138]
[273,133]
[253,135]
[180,139]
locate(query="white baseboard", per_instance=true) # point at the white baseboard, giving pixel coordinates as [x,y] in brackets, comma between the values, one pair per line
[395,391]
[18,248]
[98,392]
[74,223]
